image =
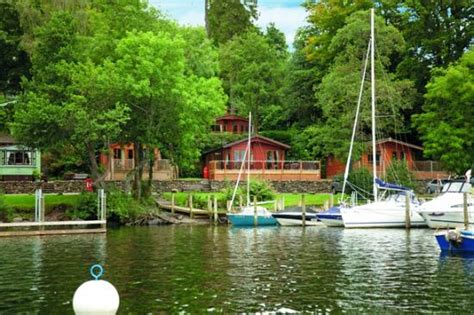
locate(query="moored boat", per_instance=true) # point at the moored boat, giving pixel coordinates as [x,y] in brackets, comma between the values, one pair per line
[293,216]
[248,217]
[331,217]
[456,241]
[446,210]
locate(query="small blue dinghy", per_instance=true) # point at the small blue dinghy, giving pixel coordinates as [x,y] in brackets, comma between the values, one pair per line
[456,241]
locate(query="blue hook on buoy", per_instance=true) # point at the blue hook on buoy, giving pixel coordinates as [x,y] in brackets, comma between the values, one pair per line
[94,275]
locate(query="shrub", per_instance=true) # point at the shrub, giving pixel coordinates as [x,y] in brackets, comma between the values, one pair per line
[6,212]
[261,189]
[399,173]
[86,208]
[362,180]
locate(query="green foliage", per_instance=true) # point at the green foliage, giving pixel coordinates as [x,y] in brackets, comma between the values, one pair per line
[363,181]
[399,173]
[123,208]
[253,77]
[260,189]
[446,123]
[228,18]
[6,211]
[85,207]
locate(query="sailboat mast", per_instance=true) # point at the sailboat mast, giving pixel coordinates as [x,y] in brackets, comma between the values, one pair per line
[372,79]
[249,156]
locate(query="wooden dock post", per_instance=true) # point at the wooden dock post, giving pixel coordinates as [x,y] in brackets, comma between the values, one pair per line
[407,210]
[275,205]
[255,218]
[215,209]
[190,198]
[209,207]
[282,203]
[466,213]
[241,202]
[303,206]
[229,206]
[173,194]
[331,200]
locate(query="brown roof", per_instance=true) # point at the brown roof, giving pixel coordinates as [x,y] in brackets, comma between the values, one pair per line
[252,139]
[231,117]
[6,139]
[381,141]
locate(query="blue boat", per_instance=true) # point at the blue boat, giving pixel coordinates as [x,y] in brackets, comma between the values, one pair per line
[456,241]
[247,218]
[331,217]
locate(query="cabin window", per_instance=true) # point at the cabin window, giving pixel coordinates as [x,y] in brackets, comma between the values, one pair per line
[402,155]
[130,154]
[242,128]
[239,155]
[377,158]
[117,153]
[394,156]
[18,158]
[235,130]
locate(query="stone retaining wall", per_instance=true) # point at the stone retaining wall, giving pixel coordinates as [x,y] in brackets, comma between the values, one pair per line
[25,187]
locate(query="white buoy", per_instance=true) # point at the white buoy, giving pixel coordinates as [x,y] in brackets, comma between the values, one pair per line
[96,297]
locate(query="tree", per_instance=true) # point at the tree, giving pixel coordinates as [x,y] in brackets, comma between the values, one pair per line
[446,122]
[14,61]
[253,77]
[227,18]
[337,94]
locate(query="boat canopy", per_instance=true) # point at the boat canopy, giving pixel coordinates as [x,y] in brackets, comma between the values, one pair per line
[381,184]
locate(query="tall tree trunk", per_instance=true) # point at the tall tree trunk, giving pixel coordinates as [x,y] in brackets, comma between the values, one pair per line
[137,186]
[151,163]
[206,15]
[93,166]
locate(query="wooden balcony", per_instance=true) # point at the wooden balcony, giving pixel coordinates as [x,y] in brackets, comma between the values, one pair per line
[266,170]
[162,169]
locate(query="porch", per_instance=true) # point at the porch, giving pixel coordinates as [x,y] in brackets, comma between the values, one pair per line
[120,168]
[266,170]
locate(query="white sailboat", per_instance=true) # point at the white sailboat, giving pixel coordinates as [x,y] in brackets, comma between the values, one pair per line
[390,210]
[251,214]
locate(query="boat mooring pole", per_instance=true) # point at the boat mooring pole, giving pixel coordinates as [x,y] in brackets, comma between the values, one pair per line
[190,206]
[303,206]
[172,201]
[215,209]
[255,219]
[209,207]
[407,210]
[466,214]
[331,201]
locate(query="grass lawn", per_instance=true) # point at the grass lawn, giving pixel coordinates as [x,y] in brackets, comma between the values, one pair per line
[24,202]
[200,199]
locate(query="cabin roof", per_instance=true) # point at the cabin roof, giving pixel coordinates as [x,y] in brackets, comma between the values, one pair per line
[6,139]
[231,117]
[416,147]
[252,139]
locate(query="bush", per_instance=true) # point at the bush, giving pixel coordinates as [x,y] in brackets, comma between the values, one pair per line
[6,212]
[399,173]
[86,208]
[123,208]
[261,189]
[362,180]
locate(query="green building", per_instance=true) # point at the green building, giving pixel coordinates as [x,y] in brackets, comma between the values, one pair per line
[18,162]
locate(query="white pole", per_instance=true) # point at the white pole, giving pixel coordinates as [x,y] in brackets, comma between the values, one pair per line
[249,157]
[372,72]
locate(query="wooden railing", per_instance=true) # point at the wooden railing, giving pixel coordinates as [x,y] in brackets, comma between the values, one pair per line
[129,164]
[266,169]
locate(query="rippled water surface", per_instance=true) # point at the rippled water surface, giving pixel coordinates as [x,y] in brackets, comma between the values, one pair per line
[201,269]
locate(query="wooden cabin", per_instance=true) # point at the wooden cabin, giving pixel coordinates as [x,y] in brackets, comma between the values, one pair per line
[267,162]
[119,162]
[18,162]
[231,123]
[389,150]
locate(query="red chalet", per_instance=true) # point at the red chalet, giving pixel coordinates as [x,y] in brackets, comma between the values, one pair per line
[267,157]
[389,150]
[119,162]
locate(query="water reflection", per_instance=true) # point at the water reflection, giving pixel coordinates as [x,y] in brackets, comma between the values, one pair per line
[205,268]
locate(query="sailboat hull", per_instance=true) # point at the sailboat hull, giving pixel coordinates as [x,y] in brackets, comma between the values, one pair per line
[296,219]
[238,219]
[380,214]
[331,218]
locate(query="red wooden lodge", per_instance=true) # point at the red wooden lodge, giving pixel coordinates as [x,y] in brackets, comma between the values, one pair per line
[389,150]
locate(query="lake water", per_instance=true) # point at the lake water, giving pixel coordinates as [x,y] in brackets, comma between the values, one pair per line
[197,269]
